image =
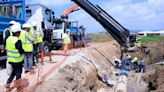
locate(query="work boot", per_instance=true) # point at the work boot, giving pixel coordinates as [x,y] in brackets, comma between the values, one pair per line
[7,86]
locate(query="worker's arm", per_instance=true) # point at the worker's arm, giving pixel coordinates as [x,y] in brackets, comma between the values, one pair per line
[41,32]
[29,37]
[7,34]
[18,46]
[34,34]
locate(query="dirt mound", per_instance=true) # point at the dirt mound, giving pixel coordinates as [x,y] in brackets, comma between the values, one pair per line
[156,52]
[154,79]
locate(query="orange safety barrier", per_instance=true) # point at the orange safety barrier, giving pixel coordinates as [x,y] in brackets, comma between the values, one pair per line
[43,54]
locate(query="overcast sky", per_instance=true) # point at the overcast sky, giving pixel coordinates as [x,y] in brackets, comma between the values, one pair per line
[132,14]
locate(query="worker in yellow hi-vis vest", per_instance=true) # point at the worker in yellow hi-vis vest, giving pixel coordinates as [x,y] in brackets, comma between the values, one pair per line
[38,41]
[6,33]
[15,56]
[66,41]
[27,43]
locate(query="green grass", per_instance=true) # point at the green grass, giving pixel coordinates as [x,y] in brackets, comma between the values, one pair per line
[101,37]
[147,39]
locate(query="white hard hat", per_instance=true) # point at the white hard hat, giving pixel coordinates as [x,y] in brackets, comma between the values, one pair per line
[26,25]
[13,22]
[34,23]
[17,23]
[16,28]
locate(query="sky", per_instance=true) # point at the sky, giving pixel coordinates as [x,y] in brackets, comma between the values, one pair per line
[132,14]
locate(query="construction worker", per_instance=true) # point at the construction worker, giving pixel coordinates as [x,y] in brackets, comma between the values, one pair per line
[141,66]
[128,57]
[15,55]
[7,32]
[126,65]
[135,63]
[38,41]
[27,43]
[138,38]
[117,62]
[138,42]
[66,41]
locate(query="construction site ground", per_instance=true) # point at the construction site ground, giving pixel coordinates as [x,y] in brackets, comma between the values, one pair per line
[83,68]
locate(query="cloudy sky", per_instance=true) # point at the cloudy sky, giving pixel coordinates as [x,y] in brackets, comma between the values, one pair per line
[132,14]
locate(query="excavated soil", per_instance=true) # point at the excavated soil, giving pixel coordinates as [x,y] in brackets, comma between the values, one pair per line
[85,72]
[154,75]
[155,79]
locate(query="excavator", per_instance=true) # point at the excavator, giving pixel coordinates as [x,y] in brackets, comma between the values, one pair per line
[118,32]
[70,10]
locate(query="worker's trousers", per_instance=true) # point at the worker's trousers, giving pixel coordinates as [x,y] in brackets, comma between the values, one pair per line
[28,61]
[16,71]
[37,49]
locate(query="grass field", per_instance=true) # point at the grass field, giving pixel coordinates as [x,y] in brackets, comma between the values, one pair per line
[147,39]
[101,37]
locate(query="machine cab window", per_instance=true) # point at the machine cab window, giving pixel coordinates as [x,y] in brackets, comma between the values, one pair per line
[48,15]
[28,13]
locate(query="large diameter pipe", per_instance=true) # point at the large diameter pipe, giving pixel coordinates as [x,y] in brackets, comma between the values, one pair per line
[122,84]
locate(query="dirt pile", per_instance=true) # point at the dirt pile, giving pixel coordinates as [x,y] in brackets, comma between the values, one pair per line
[82,75]
[154,75]
[156,50]
[154,79]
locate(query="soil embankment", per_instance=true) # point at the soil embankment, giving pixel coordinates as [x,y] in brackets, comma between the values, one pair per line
[154,75]
[80,71]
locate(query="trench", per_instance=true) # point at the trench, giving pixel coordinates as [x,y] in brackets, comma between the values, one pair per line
[83,71]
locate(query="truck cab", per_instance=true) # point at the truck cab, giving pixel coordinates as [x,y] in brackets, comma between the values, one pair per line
[60,27]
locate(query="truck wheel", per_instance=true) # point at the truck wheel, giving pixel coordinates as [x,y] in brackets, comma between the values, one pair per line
[46,47]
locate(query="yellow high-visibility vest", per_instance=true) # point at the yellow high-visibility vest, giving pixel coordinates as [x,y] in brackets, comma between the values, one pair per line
[31,33]
[13,54]
[38,37]
[139,44]
[26,43]
[135,59]
[66,38]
